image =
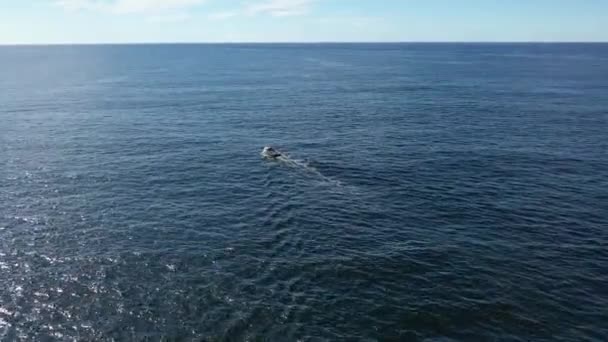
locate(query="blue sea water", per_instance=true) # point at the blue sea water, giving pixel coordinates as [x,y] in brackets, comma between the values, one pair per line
[433,192]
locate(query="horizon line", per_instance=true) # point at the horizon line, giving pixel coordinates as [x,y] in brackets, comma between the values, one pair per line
[303,43]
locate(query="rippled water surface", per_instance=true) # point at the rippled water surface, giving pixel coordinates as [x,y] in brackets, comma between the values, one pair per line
[432,192]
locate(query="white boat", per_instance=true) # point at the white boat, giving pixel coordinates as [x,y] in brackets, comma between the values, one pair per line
[270,153]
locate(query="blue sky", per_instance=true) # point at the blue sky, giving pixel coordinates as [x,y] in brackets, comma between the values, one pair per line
[123,21]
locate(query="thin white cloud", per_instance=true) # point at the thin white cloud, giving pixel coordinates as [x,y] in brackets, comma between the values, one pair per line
[139,6]
[279,8]
[223,15]
[173,10]
[168,18]
[127,6]
[77,5]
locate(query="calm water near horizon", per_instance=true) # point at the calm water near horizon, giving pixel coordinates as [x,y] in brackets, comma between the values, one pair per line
[433,192]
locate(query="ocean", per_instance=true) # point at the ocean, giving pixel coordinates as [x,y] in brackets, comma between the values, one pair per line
[430,192]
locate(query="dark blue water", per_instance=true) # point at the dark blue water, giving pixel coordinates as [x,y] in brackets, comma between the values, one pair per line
[434,192]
